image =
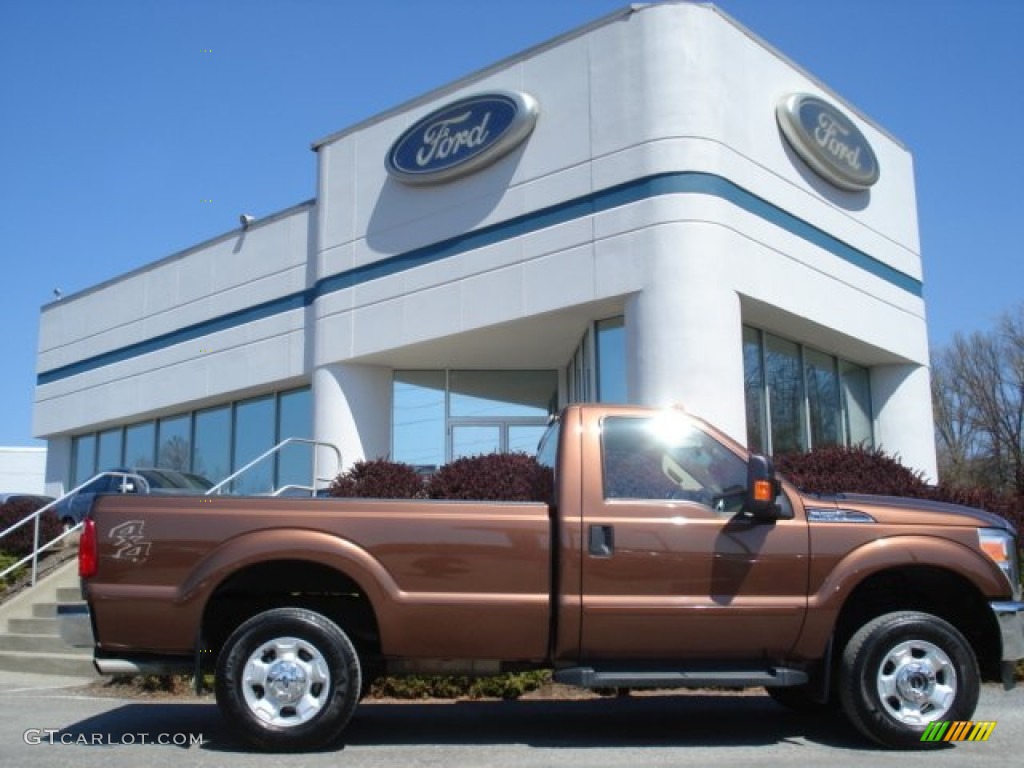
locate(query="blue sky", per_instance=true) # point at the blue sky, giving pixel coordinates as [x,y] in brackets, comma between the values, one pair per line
[132,129]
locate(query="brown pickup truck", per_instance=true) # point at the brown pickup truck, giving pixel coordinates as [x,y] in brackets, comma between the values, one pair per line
[668,557]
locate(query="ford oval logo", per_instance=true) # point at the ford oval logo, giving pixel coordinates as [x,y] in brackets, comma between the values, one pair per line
[828,141]
[462,137]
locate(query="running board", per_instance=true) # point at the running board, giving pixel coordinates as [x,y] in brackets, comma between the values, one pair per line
[588,677]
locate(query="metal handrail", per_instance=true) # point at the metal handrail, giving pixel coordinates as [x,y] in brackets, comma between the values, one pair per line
[34,517]
[287,441]
[144,485]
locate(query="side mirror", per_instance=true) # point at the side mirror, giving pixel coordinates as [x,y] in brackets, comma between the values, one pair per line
[762,488]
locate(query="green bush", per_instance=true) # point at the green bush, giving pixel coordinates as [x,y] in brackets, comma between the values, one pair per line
[507,686]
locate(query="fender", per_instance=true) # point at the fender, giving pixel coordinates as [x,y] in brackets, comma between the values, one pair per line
[288,544]
[888,553]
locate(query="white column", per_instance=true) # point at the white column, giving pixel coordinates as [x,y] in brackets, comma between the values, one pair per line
[684,334]
[58,466]
[904,426]
[352,410]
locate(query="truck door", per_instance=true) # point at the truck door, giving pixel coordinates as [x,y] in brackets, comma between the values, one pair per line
[672,568]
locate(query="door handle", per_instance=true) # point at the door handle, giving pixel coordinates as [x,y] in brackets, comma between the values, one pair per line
[602,541]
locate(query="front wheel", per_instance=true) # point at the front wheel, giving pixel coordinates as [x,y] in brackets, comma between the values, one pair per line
[905,670]
[288,678]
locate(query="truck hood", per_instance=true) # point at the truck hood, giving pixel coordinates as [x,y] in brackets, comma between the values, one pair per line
[900,510]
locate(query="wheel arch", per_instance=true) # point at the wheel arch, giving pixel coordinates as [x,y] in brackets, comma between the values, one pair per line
[287,582]
[271,569]
[942,573]
[927,588]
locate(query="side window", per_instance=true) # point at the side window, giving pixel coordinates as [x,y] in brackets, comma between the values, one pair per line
[669,457]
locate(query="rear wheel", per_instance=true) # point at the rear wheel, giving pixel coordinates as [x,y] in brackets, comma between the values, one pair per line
[905,670]
[288,678]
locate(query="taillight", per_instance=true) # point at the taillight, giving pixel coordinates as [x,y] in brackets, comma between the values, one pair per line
[87,554]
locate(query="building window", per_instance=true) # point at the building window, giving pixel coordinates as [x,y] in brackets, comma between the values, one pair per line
[139,445]
[418,417]
[83,458]
[213,443]
[211,456]
[798,398]
[611,360]
[174,443]
[597,371]
[295,419]
[439,416]
[254,434]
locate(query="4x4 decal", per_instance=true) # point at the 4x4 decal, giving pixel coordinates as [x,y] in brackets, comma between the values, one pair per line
[129,541]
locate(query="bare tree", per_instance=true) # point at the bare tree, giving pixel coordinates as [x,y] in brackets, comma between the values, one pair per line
[978,396]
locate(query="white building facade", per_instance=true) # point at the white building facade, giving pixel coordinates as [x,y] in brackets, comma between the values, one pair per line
[657,208]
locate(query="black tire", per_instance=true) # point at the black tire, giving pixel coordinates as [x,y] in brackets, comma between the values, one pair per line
[797,698]
[904,670]
[288,679]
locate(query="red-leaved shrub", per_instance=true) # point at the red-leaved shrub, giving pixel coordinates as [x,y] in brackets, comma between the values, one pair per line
[836,469]
[378,479]
[493,477]
[19,542]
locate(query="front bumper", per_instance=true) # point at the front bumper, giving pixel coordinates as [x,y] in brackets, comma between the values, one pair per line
[1010,618]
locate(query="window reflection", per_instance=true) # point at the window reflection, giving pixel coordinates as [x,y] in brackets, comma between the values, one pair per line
[174,449]
[798,398]
[83,458]
[418,418]
[822,397]
[254,434]
[295,419]
[784,382]
[139,440]
[108,454]
[204,442]
[475,440]
[477,394]
[439,416]
[856,390]
[753,386]
[212,450]
[611,360]
[668,457]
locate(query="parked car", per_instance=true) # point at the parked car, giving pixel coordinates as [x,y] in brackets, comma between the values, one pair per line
[72,509]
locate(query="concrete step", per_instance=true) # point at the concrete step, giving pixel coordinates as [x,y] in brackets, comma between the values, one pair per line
[44,610]
[69,594]
[40,644]
[69,664]
[33,627]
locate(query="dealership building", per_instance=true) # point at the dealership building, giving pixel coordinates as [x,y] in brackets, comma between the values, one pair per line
[657,208]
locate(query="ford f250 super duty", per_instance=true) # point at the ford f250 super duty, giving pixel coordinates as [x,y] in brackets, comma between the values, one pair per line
[668,556]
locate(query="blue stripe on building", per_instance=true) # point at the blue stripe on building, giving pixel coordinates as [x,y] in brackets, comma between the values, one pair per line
[596,202]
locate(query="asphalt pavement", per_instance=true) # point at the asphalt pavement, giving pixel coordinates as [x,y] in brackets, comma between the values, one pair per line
[46,721]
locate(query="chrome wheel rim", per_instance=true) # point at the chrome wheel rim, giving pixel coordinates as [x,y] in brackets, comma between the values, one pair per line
[286,682]
[916,682]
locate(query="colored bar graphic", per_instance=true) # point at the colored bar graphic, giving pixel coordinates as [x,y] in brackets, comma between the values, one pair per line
[960,730]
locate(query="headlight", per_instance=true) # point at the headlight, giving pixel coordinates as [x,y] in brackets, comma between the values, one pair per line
[1001,547]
